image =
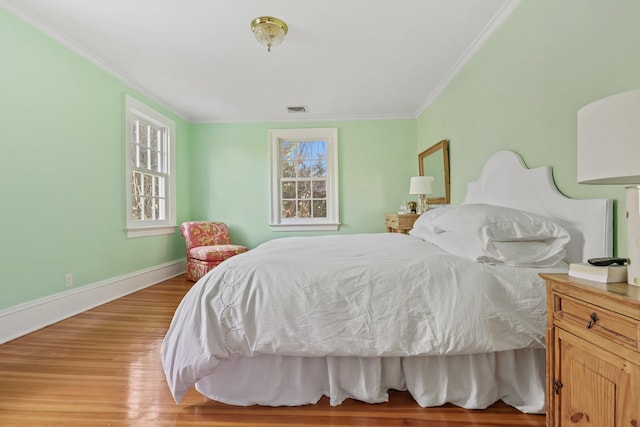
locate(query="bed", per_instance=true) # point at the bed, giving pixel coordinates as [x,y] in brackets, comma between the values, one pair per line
[353,316]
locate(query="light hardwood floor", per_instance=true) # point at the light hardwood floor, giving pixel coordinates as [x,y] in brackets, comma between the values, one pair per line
[102,368]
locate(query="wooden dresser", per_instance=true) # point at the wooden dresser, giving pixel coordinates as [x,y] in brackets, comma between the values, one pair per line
[593,353]
[400,223]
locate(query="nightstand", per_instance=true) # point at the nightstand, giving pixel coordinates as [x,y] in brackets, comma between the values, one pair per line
[400,223]
[593,352]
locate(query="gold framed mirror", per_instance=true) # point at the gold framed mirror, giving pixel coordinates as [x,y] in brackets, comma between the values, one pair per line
[434,161]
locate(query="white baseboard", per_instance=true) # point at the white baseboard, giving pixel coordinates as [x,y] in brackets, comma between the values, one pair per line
[24,318]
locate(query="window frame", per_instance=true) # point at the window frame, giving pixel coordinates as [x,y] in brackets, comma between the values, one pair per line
[142,228]
[332,220]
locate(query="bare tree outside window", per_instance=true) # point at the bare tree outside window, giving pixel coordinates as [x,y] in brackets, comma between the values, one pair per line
[304,179]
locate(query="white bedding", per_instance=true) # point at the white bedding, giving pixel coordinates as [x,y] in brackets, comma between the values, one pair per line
[368,295]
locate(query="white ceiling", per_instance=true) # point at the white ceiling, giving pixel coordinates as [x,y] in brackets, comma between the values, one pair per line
[342,59]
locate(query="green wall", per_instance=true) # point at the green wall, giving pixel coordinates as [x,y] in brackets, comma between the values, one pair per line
[62,171]
[524,87]
[230,174]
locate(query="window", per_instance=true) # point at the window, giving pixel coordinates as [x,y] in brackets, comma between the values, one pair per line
[304,179]
[150,171]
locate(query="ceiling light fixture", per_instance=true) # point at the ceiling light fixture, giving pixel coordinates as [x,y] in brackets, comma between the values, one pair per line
[269,31]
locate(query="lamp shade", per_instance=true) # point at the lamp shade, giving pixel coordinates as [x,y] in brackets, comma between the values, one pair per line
[609,153]
[609,140]
[421,185]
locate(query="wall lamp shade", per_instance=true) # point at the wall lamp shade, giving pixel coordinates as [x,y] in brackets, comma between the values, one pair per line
[269,31]
[608,152]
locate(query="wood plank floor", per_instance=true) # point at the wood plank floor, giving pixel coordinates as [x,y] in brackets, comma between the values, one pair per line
[102,368]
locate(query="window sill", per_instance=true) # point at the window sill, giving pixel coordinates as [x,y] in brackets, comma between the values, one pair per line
[133,233]
[304,227]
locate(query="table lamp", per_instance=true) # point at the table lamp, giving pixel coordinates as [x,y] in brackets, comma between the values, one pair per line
[609,153]
[421,185]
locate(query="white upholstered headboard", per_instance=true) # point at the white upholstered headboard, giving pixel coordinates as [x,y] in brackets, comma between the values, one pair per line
[506,181]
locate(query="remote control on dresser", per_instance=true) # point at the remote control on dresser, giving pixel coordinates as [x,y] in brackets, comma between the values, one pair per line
[607,260]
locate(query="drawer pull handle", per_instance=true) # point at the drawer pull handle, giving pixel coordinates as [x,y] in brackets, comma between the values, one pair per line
[594,319]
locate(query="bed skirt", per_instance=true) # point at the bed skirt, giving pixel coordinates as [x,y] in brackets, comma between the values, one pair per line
[469,381]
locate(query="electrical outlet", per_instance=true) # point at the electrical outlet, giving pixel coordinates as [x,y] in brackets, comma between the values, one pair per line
[68,280]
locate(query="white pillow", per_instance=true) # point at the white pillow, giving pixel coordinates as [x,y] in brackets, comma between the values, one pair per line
[515,254]
[424,227]
[498,223]
[499,235]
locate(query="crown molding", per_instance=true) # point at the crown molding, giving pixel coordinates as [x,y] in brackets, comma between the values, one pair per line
[501,15]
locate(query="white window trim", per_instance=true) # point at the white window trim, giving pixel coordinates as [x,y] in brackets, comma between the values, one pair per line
[134,229]
[332,221]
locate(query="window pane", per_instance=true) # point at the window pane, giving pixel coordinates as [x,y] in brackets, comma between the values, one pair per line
[155,156]
[134,155]
[154,186]
[155,139]
[162,164]
[320,168]
[288,208]
[298,159]
[161,209]
[319,189]
[155,204]
[134,130]
[144,134]
[322,148]
[312,149]
[136,208]
[303,169]
[144,158]
[147,203]
[137,183]
[319,208]
[304,209]
[147,186]
[288,171]
[298,165]
[286,149]
[304,189]
[288,190]
[162,189]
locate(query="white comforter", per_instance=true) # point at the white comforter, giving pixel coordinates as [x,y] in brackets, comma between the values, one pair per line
[361,295]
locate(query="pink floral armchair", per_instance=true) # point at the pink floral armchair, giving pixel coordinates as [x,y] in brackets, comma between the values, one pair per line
[208,244]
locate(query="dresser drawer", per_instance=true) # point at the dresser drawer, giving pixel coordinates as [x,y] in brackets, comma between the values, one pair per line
[400,221]
[392,221]
[593,319]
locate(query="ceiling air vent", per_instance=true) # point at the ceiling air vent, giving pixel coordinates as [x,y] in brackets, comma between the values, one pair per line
[297,109]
